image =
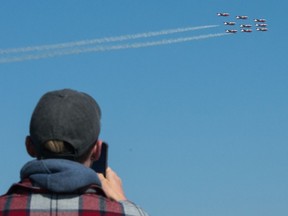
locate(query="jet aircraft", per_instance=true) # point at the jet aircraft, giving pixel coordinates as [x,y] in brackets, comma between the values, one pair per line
[242,17]
[261,29]
[261,24]
[259,20]
[229,23]
[245,26]
[231,31]
[246,30]
[223,14]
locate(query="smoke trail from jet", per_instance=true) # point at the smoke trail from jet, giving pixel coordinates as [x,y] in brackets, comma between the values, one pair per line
[76,51]
[103,40]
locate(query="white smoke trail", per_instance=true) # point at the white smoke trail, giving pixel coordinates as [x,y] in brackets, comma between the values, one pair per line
[108,48]
[102,40]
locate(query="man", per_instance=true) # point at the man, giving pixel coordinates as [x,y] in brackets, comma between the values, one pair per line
[64,132]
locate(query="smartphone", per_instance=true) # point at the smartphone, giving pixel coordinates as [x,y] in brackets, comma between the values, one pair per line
[101,164]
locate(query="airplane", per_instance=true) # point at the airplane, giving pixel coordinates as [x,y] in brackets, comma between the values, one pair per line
[242,17]
[245,26]
[231,31]
[261,29]
[229,23]
[261,24]
[223,14]
[246,30]
[259,20]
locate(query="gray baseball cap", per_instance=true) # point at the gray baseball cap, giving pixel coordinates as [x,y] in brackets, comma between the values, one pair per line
[65,115]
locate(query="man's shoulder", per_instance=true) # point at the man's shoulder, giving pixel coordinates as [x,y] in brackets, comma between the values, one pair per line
[64,204]
[25,196]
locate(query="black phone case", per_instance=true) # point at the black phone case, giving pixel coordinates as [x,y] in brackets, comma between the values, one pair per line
[100,165]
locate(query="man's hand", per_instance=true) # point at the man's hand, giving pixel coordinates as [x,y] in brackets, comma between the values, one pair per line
[112,185]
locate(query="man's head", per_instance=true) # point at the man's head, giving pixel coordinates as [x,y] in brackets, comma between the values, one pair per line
[68,117]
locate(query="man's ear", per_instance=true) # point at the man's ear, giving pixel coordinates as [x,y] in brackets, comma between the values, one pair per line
[97,149]
[29,147]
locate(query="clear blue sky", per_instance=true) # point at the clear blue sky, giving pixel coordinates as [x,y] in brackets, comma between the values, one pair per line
[195,128]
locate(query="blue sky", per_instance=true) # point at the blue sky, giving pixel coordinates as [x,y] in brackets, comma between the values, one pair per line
[195,128]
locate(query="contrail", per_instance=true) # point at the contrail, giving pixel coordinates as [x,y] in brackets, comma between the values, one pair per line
[102,40]
[76,51]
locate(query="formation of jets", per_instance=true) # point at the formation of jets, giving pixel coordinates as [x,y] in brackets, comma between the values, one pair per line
[260,24]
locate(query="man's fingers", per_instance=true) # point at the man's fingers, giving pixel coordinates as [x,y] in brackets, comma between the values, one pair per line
[112,176]
[112,185]
[109,173]
[101,177]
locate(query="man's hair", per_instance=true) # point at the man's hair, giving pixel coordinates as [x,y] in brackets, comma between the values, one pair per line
[58,147]
[65,116]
